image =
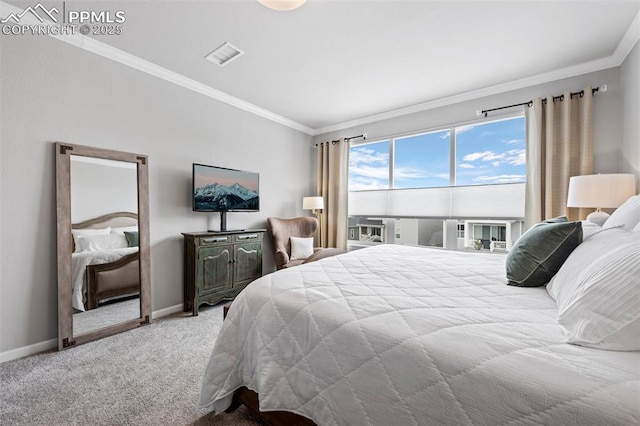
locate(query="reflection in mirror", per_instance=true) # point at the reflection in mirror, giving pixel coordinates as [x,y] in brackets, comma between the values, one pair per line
[105,259]
[102,206]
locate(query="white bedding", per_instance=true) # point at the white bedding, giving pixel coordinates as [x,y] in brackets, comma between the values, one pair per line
[79,262]
[396,335]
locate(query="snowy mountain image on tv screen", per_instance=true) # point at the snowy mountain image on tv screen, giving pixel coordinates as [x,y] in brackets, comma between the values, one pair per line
[218,197]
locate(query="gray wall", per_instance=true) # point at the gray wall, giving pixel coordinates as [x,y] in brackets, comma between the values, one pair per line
[607,111]
[630,83]
[99,189]
[51,91]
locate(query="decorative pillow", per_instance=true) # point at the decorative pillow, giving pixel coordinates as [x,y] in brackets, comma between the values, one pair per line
[84,232]
[114,240]
[301,248]
[538,254]
[627,215]
[598,292]
[133,239]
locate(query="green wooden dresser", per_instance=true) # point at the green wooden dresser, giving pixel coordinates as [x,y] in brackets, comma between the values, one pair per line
[218,265]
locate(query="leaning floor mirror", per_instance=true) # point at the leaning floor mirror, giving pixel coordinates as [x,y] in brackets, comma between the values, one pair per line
[104,283]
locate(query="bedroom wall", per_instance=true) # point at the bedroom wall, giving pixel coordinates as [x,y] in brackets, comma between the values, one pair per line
[98,189]
[607,111]
[630,83]
[52,91]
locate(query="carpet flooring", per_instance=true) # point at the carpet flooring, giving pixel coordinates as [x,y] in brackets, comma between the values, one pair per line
[147,376]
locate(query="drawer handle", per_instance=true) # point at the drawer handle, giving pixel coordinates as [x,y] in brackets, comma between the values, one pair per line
[247,237]
[215,240]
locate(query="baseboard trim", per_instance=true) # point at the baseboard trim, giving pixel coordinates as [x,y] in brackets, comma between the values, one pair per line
[28,350]
[53,343]
[167,311]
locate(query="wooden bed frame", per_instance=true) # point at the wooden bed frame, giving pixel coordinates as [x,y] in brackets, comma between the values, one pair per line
[114,279]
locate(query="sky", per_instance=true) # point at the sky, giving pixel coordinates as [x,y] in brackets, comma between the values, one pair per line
[485,153]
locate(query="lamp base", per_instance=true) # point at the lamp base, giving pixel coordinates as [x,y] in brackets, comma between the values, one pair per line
[598,217]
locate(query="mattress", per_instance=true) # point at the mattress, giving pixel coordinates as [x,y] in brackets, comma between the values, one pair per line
[396,335]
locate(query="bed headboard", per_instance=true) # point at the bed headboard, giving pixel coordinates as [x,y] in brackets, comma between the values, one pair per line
[117,219]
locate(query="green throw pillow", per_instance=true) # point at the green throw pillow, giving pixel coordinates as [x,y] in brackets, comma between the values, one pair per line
[132,238]
[538,254]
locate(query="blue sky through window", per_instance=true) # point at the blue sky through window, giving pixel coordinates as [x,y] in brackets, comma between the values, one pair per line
[369,166]
[491,152]
[486,153]
[422,161]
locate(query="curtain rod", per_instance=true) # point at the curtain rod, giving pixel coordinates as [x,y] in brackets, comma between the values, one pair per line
[602,88]
[348,139]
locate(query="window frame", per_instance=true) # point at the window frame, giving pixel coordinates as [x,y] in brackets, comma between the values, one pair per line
[452,146]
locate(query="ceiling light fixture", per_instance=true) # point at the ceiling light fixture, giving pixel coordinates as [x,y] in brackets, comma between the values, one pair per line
[282,4]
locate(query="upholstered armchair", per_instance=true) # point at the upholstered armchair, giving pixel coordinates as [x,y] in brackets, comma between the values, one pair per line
[303,227]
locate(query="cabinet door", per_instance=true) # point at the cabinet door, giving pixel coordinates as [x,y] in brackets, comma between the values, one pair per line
[214,269]
[248,262]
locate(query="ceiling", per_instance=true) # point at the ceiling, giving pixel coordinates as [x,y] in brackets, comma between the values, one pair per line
[331,63]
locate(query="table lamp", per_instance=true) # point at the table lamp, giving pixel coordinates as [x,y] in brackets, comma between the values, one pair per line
[600,191]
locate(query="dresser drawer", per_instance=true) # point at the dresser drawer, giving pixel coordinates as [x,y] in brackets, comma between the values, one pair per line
[214,240]
[249,237]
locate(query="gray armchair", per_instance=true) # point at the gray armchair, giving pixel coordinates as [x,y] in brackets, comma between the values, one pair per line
[304,227]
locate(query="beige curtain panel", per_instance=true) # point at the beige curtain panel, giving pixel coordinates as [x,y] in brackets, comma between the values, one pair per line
[559,145]
[333,173]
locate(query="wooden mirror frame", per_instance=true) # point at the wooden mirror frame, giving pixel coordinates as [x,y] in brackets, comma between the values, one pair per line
[66,339]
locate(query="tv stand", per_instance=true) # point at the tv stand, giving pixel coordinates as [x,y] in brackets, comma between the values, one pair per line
[218,265]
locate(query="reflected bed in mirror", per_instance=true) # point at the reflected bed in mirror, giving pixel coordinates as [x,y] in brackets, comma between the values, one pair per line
[105,270]
[103,243]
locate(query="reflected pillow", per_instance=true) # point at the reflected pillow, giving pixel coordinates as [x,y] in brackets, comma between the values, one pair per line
[132,238]
[301,248]
[132,228]
[540,252]
[85,232]
[114,240]
[627,215]
[598,292]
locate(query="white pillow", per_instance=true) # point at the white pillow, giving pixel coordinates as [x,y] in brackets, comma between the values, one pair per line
[598,292]
[84,232]
[627,215]
[114,240]
[589,229]
[301,248]
[637,228]
[123,229]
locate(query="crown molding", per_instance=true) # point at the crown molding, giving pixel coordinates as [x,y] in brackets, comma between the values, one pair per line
[102,49]
[631,37]
[629,40]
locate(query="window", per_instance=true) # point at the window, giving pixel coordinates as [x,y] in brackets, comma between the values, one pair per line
[369,166]
[485,153]
[422,161]
[461,230]
[491,152]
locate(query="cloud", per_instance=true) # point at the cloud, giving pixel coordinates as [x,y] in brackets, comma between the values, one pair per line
[367,156]
[514,157]
[464,129]
[466,166]
[370,171]
[514,141]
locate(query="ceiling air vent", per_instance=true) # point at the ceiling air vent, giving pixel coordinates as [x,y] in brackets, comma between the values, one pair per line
[224,54]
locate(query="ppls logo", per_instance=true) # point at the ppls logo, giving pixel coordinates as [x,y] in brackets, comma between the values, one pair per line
[36,11]
[53,22]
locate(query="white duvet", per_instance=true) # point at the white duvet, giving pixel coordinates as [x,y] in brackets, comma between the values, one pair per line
[395,335]
[79,262]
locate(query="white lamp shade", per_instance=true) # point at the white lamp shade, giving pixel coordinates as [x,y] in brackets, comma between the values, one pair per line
[282,4]
[312,203]
[601,190]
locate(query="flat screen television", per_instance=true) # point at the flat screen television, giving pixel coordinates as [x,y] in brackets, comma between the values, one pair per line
[218,189]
